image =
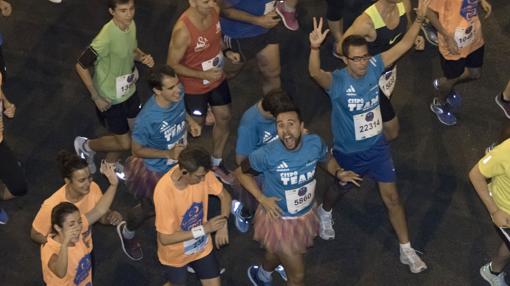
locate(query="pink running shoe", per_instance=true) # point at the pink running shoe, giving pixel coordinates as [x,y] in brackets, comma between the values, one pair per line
[289,18]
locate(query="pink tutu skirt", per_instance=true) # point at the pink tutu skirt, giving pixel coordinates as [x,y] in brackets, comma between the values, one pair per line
[287,235]
[140,180]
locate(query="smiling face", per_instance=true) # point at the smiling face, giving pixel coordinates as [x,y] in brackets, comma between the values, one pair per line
[289,128]
[170,89]
[79,183]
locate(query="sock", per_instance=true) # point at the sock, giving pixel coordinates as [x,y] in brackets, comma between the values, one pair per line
[404,246]
[503,99]
[263,275]
[288,8]
[216,161]
[493,272]
[127,234]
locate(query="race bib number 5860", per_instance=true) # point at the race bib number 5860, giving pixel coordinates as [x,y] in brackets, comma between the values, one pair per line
[299,199]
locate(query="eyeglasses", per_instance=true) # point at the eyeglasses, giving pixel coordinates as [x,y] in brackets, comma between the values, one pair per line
[360,59]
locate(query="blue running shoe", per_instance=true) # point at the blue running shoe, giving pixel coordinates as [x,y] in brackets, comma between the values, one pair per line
[443,113]
[280,270]
[454,100]
[242,224]
[254,279]
[4,218]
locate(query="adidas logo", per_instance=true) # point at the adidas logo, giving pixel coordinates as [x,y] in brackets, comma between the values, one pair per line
[164,126]
[268,137]
[282,167]
[351,91]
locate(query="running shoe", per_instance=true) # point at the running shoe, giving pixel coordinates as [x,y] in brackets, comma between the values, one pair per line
[494,280]
[289,18]
[79,147]
[281,271]
[327,232]
[4,218]
[454,100]
[131,247]
[254,278]
[430,33]
[242,223]
[223,174]
[505,105]
[409,257]
[443,112]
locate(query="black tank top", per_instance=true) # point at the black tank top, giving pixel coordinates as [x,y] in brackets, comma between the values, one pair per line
[386,38]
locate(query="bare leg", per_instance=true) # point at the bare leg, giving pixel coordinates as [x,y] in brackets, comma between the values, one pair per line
[501,259]
[295,267]
[221,129]
[391,129]
[446,85]
[268,61]
[396,211]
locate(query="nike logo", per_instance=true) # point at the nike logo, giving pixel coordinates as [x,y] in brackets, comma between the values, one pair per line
[395,38]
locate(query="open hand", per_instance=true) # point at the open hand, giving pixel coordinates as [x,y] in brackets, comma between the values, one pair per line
[317,36]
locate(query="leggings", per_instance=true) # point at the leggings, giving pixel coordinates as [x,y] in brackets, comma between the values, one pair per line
[11,172]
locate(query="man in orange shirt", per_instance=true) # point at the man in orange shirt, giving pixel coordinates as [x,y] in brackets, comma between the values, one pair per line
[79,189]
[183,231]
[461,46]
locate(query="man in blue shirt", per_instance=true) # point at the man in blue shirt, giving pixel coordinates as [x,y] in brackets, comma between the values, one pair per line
[250,28]
[159,135]
[356,124]
[285,221]
[256,128]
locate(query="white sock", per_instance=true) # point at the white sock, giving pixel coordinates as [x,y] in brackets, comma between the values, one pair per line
[263,275]
[127,234]
[405,246]
[216,161]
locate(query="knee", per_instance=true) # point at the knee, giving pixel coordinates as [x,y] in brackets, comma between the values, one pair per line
[392,201]
[475,74]
[223,118]
[125,142]
[391,133]
[270,72]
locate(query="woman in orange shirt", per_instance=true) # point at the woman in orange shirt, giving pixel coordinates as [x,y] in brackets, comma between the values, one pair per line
[65,256]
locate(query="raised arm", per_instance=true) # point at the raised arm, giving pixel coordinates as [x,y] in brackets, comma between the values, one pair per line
[392,55]
[103,205]
[323,78]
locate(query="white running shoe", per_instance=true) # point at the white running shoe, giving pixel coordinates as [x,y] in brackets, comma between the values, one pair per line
[409,257]
[327,232]
[494,280]
[79,147]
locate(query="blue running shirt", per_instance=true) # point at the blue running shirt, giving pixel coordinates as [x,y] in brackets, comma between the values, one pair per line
[254,131]
[238,29]
[290,174]
[160,128]
[355,114]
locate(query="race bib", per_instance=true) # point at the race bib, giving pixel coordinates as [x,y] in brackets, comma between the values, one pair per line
[367,124]
[269,7]
[125,82]
[195,245]
[301,198]
[464,36]
[183,140]
[387,81]
[216,62]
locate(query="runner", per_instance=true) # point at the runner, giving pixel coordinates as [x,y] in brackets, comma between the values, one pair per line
[113,88]
[195,55]
[183,231]
[383,25]
[13,182]
[80,190]
[66,256]
[494,167]
[285,221]
[356,124]
[461,46]
[159,135]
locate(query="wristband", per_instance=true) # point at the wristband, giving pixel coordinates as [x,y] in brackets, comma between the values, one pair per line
[198,231]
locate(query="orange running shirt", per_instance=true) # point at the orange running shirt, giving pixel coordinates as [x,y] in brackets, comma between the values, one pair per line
[460,19]
[181,210]
[42,221]
[79,265]
[203,53]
